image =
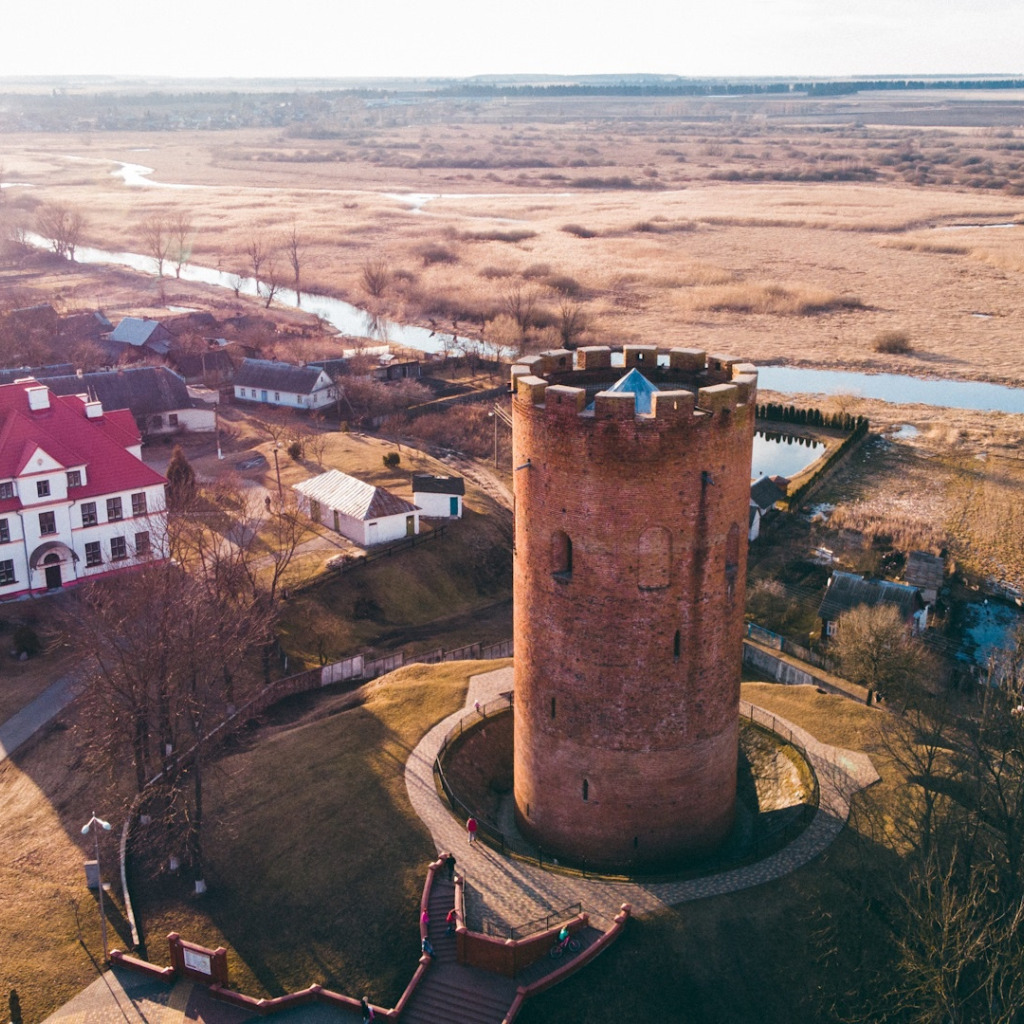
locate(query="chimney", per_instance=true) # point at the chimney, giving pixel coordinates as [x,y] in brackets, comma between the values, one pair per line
[94,410]
[38,397]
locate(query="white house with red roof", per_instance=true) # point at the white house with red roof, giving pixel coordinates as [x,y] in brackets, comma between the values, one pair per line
[76,499]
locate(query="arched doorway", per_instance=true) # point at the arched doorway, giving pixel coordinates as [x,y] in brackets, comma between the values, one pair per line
[51,565]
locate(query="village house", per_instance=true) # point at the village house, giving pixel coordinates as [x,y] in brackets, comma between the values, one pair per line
[157,397]
[365,514]
[926,572]
[847,590]
[269,382]
[439,497]
[139,338]
[76,499]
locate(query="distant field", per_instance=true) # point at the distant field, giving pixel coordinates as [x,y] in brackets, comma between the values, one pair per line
[778,229]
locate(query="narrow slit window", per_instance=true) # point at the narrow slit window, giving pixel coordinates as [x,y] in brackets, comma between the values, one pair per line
[552,707]
[586,790]
[676,644]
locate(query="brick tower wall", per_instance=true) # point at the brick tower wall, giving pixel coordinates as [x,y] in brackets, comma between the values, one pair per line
[630,562]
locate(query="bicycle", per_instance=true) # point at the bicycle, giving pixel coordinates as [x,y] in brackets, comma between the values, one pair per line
[569,944]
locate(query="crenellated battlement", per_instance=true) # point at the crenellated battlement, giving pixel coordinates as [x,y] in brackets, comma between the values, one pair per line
[691,385]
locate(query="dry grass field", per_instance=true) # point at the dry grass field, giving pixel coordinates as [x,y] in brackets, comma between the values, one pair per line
[762,228]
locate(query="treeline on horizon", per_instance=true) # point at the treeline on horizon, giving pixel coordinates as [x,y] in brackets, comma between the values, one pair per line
[720,88]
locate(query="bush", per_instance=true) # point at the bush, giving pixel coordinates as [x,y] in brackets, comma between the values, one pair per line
[295,450]
[392,459]
[578,230]
[437,254]
[892,342]
[26,641]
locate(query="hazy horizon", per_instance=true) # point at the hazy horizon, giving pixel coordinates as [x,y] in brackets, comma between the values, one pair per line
[458,38]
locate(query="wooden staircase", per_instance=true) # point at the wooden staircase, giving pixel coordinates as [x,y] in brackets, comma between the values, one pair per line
[450,993]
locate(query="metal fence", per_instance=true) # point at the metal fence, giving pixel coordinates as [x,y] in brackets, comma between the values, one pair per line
[508,843]
[537,924]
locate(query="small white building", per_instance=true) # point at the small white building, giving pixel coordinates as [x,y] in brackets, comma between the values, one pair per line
[367,515]
[439,497]
[269,382]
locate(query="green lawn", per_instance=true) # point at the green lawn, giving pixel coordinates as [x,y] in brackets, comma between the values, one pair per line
[317,861]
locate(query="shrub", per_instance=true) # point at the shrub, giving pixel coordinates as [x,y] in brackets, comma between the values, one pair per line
[892,342]
[392,459]
[578,230]
[26,641]
[437,254]
[295,450]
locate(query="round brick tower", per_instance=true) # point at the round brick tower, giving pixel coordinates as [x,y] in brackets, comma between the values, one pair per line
[630,560]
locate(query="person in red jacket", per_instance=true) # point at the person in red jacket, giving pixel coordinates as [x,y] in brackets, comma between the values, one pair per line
[471,827]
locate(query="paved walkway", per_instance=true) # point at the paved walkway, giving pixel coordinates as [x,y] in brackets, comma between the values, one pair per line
[513,891]
[34,715]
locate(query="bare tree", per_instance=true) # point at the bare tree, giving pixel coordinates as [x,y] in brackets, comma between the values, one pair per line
[572,320]
[62,226]
[875,650]
[181,248]
[376,275]
[271,279]
[296,255]
[520,303]
[256,251]
[156,241]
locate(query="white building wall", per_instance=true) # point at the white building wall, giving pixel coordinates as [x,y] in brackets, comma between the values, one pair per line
[437,506]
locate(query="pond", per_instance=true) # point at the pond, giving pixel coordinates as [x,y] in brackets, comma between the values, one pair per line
[988,628]
[893,387]
[785,455]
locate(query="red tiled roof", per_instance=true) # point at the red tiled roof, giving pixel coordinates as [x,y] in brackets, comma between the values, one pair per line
[65,433]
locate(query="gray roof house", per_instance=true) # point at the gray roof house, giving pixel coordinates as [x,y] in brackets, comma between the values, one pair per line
[156,397]
[140,334]
[364,513]
[270,382]
[439,497]
[847,590]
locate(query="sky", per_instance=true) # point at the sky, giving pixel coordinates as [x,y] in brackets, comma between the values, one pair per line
[459,38]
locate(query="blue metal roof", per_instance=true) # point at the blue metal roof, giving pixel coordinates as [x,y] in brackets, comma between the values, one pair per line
[639,385]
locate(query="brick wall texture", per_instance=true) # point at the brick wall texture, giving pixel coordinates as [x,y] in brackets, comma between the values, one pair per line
[630,561]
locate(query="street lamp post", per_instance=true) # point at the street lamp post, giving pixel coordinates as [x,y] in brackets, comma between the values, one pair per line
[96,824]
[277,470]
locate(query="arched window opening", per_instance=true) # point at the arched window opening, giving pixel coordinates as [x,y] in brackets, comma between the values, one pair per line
[561,554]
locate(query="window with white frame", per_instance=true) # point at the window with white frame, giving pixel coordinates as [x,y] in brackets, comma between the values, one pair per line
[93,554]
[139,503]
[7,489]
[74,478]
[7,572]
[142,547]
[114,511]
[5,531]
[47,523]
[118,548]
[42,488]
[89,517]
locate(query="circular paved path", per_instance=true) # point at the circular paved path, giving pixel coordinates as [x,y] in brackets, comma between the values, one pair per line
[513,891]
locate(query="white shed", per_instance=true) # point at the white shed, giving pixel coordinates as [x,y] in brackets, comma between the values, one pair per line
[367,515]
[439,497]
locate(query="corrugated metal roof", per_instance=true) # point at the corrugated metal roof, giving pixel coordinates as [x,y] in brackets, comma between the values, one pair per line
[352,497]
[133,330]
[846,590]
